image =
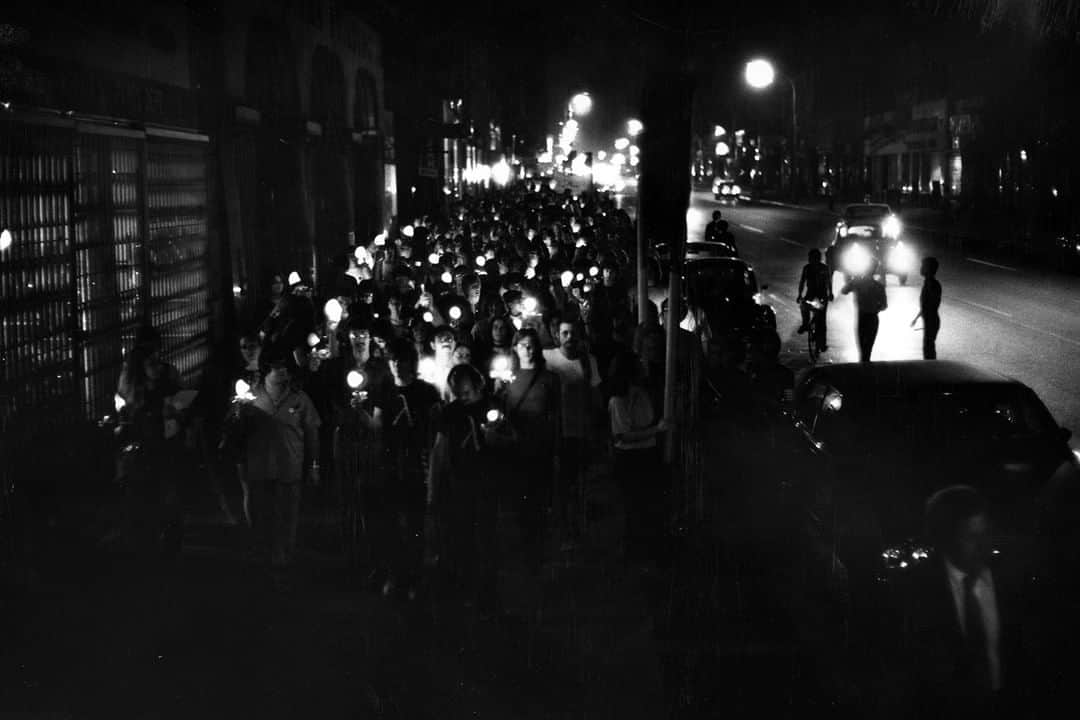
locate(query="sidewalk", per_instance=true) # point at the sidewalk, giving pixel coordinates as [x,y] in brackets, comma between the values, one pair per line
[215,636]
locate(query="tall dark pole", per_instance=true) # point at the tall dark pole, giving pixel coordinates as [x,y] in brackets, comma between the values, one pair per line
[794,139]
[642,246]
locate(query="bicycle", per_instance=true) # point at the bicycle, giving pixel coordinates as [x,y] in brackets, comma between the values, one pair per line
[814,343]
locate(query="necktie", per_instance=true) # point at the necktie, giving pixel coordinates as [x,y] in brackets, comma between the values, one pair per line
[977,657]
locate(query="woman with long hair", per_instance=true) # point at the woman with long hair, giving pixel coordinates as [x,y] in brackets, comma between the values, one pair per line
[532,400]
[634,429]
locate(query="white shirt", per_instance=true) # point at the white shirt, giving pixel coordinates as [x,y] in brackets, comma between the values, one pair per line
[576,397]
[631,412]
[985,596]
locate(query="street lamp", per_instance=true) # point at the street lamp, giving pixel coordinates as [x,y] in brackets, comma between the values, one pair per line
[759,75]
[580,104]
[633,127]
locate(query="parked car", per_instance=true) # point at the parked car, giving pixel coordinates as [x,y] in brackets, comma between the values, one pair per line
[878,439]
[727,292]
[869,232]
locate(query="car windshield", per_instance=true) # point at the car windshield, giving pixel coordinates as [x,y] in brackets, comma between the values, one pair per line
[865,213]
[996,417]
[699,248]
[711,283]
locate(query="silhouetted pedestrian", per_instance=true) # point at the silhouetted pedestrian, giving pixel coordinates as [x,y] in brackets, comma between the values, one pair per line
[929,303]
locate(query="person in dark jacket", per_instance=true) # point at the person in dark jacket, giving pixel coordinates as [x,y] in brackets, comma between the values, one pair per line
[965,641]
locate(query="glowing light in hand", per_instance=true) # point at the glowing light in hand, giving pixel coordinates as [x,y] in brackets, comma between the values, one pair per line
[355,379]
[333,310]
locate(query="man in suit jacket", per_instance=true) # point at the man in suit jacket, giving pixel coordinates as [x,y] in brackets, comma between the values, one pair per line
[964,618]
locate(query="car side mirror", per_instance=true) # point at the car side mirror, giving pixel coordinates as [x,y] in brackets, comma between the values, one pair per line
[1066,434]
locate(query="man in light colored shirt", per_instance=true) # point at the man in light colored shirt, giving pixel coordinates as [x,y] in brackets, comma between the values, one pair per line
[579,378]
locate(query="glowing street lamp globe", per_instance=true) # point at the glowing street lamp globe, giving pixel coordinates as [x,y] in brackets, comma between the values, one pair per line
[622,143]
[581,104]
[634,128]
[760,73]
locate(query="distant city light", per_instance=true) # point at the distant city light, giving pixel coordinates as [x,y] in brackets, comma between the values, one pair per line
[500,172]
[1023,156]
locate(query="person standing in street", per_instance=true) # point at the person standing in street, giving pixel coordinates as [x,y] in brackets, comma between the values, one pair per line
[870,299]
[929,304]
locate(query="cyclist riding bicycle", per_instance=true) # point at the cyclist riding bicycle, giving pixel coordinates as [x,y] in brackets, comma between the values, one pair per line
[814,284]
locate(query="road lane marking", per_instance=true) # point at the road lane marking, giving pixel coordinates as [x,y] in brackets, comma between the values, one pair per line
[781,301]
[751,228]
[987,308]
[993,265]
[1050,333]
[789,241]
[1022,324]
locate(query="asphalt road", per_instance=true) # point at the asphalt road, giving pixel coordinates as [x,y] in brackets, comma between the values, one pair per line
[1018,321]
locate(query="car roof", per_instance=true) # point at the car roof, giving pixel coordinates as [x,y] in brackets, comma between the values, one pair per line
[909,374]
[720,260]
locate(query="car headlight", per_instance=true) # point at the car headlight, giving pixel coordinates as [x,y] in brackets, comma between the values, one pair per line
[901,259]
[725,190]
[857,260]
[843,231]
[891,227]
[736,190]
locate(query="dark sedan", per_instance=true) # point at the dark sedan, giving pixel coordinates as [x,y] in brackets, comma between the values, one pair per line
[880,438]
[726,289]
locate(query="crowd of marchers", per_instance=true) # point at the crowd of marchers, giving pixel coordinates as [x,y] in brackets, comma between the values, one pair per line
[459,367]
